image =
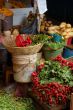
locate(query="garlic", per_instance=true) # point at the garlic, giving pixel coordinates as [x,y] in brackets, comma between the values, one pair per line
[7,33]
[15,32]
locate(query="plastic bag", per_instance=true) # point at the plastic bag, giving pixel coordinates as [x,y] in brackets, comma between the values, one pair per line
[31,28]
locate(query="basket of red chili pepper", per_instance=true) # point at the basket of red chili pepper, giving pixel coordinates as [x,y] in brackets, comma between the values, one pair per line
[22,45]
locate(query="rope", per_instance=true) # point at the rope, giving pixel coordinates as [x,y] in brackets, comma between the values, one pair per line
[23,66]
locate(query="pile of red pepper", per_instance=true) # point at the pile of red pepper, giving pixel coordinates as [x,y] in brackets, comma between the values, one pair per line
[21,42]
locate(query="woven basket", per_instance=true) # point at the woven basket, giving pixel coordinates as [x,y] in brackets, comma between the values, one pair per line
[29,50]
[25,50]
[47,47]
[51,54]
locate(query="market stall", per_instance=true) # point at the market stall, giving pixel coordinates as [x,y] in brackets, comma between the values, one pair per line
[42,68]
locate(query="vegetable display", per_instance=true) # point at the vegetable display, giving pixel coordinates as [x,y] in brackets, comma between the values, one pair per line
[55,42]
[27,40]
[53,71]
[8,102]
[53,82]
[57,70]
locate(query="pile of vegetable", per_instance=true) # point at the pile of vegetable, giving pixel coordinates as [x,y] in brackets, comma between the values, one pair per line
[55,42]
[54,71]
[57,70]
[8,102]
[27,40]
[53,82]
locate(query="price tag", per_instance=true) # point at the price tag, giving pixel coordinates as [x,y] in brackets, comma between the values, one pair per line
[42,6]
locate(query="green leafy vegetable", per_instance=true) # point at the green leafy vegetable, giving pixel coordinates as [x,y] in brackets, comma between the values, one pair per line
[55,45]
[39,38]
[8,102]
[54,71]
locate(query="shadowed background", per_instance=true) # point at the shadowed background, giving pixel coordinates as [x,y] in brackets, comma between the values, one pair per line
[61,10]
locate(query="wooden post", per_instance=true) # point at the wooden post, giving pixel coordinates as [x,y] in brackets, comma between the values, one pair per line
[71,103]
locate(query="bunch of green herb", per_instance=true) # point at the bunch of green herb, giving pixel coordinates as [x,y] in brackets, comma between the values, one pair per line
[55,45]
[53,71]
[39,38]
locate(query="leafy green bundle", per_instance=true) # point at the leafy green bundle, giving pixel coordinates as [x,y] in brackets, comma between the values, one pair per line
[53,71]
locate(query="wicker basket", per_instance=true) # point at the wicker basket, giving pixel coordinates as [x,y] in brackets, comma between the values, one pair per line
[9,44]
[25,50]
[51,54]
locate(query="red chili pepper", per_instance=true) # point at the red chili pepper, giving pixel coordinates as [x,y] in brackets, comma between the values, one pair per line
[20,42]
[29,40]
